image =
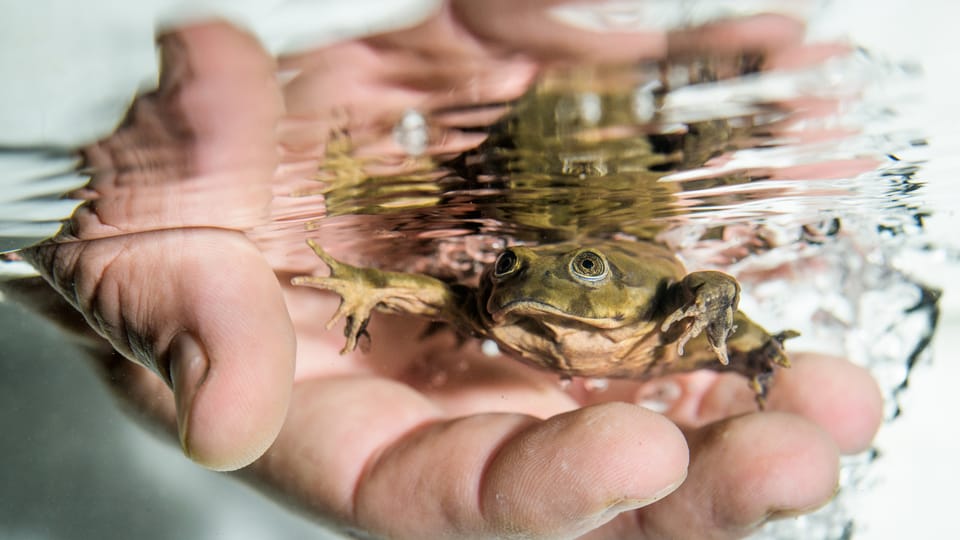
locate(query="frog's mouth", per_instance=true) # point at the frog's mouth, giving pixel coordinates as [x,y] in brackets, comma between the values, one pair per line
[540,310]
[522,308]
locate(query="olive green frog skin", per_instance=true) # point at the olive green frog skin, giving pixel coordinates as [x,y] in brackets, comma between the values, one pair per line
[618,309]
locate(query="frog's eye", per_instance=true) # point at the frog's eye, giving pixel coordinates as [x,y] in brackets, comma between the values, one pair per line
[506,264]
[589,265]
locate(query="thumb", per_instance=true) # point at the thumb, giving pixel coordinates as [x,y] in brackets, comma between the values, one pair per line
[203,310]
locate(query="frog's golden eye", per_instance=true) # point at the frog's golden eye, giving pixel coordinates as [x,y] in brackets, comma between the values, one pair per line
[589,265]
[506,264]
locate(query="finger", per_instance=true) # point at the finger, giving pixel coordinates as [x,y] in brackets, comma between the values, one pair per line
[189,304]
[184,157]
[141,390]
[757,33]
[841,397]
[743,472]
[535,28]
[203,310]
[837,395]
[411,473]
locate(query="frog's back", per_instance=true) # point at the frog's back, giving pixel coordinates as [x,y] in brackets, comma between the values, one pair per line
[642,264]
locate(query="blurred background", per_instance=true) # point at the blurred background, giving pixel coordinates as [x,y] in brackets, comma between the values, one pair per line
[73,466]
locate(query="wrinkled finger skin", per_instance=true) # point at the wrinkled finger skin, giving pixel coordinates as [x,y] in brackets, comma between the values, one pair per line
[378,443]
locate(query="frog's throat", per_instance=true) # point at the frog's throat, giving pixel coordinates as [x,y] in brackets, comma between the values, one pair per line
[538,309]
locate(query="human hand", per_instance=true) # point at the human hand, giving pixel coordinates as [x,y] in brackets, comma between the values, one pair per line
[379,443]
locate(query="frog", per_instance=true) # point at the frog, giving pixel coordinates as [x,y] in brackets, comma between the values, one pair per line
[623,309]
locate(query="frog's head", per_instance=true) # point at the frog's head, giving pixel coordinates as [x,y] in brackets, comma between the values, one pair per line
[565,283]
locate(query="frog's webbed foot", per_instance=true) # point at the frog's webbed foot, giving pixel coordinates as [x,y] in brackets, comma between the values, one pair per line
[710,299]
[363,290]
[762,361]
[359,296]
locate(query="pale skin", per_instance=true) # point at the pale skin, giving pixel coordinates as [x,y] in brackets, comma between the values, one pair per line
[496,449]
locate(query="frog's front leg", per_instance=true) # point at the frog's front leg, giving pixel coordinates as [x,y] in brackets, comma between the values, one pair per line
[363,290]
[710,299]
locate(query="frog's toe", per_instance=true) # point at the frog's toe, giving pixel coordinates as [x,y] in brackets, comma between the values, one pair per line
[694,328]
[717,320]
[760,384]
[674,317]
[354,330]
[324,256]
[356,304]
[781,358]
[329,283]
[721,352]
[719,328]
[692,331]
[760,363]
[356,313]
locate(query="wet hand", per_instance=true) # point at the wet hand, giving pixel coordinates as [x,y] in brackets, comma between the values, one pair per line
[386,443]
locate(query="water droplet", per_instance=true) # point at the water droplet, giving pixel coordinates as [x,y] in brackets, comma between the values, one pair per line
[590,108]
[490,347]
[411,133]
[596,384]
[645,101]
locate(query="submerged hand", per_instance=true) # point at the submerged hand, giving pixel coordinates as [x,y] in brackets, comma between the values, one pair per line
[425,436]
[417,439]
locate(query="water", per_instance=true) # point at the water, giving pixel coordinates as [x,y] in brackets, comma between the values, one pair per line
[797,166]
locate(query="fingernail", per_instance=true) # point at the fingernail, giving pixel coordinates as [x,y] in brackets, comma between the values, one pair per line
[627,504]
[188,370]
[623,505]
[783,513]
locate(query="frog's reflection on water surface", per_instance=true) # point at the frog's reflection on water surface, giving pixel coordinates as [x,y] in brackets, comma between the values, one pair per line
[586,154]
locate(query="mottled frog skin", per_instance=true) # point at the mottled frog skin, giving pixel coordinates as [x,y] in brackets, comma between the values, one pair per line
[619,309]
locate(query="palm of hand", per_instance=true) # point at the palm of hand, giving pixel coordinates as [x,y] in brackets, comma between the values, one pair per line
[454,441]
